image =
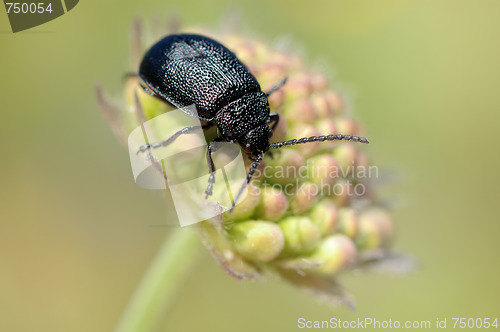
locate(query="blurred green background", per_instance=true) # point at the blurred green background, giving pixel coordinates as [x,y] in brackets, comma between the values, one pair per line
[76,233]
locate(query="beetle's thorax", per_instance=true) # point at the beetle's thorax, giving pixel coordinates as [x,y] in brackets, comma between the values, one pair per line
[245,121]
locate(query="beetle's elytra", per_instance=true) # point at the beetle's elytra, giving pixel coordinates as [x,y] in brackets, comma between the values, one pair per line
[187,69]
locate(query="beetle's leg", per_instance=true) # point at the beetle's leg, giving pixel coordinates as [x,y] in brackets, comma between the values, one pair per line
[208,125]
[212,147]
[252,170]
[130,74]
[148,90]
[276,87]
[151,92]
[168,141]
[274,118]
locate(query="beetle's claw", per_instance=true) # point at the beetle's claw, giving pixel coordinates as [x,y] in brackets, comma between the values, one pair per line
[211,181]
[208,192]
[143,148]
[232,208]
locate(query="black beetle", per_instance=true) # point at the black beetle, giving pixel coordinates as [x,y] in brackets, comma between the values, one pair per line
[188,69]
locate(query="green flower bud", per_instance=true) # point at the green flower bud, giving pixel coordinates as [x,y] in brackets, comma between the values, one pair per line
[305,197]
[276,100]
[246,208]
[327,127]
[347,222]
[246,52]
[319,81]
[304,130]
[324,215]
[362,160]
[335,103]
[376,229]
[302,111]
[273,204]
[340,192]
[292,62]
[298,87]
[322,107]
[270,74]
[333,254]
[322,170]
[347,126]
[346,154]
[301,234]
[259,241]
[284,167]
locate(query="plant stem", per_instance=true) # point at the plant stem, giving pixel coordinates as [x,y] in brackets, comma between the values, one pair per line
[159,286]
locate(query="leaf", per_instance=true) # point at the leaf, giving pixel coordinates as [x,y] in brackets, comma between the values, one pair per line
[222,251]
[385,261]
[325,289]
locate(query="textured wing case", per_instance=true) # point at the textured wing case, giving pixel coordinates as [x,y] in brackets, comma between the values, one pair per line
[191,69]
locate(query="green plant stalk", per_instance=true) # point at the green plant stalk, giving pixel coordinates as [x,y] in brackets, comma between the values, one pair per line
[161,283]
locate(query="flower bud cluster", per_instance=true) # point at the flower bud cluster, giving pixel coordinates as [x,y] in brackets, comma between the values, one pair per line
[301,207]
[310,212]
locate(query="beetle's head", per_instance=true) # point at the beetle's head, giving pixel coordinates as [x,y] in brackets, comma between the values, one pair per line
[245,121]
[256,141]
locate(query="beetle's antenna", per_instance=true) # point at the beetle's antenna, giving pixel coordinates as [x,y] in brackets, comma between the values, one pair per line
[322,138]
[252,170]
[277,86]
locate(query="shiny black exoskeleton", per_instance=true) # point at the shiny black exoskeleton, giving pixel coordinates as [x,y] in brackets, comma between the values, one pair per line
[188,69]
[195,70]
